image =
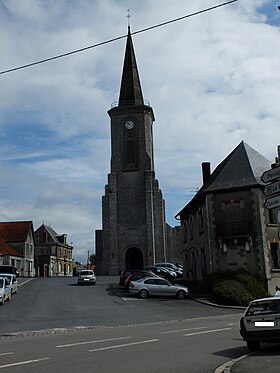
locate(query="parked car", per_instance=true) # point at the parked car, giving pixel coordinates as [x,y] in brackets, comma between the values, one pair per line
[86,277]
[125,273]
[261,322]
[5,268]
[77,271]
[5,290]
[137,276]
[172,267]
[163,272]
[157,286]
[13,281]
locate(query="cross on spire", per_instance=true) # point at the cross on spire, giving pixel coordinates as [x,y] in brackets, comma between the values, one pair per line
[128,18]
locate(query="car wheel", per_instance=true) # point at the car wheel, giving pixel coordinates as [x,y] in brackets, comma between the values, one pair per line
[2,302]
[253,345]
[181,294]
[143,293]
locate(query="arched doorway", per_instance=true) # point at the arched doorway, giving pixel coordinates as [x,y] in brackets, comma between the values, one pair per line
[133,258]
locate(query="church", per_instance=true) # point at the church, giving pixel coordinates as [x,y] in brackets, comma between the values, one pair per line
[134,231]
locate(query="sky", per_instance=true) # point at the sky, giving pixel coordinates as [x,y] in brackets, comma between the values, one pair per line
[213,80]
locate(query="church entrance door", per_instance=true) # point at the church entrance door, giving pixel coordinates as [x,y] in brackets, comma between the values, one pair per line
[134,258]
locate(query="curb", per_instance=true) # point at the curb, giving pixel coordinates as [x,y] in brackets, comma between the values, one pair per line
[203,301]
[226,367]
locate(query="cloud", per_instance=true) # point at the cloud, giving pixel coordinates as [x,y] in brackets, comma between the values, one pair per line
[212,80]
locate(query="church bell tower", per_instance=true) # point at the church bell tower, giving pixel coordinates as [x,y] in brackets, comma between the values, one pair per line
[133,232]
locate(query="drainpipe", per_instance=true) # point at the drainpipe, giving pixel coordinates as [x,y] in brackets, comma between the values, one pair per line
[209,233]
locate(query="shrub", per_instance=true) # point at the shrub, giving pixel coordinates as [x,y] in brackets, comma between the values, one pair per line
[233,292]
[252,284]
[237,287]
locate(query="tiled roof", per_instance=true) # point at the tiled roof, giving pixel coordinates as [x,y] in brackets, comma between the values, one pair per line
[6,249]
[16,231]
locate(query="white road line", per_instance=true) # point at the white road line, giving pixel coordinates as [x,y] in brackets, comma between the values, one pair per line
[207,331]
[6,353]
[135,299]
[89,342]
[184,330]
[23,362]
[25,282]
[124,345]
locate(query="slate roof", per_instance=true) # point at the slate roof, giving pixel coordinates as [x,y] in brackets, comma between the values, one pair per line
[16,231]
[242,168]
[130,92]
[51,232]
[55,237]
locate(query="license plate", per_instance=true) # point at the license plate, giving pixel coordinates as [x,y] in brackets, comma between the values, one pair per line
[264,323]
[86,279]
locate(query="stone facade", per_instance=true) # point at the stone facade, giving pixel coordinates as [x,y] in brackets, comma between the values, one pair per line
[53,255]
[226,226]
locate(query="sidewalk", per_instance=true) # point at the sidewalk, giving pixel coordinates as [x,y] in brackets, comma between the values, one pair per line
[267,360]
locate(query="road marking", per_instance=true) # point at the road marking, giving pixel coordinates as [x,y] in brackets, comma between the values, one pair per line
[124,345]
[23,362]
[184,330]
[6,353]
[25,282]
[89,342]
[207,331]
[137,299]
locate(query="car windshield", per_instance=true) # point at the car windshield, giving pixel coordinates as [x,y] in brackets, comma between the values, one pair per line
[86,273]
[1,282]
[263,308]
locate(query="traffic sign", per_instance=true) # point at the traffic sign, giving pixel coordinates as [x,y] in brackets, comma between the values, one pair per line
[272,188]
[270,175]
[272,203]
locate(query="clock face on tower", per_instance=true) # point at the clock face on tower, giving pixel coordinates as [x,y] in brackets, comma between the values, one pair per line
[129,124]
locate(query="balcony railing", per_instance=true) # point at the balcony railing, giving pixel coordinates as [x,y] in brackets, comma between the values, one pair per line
[234,229]
[128,103]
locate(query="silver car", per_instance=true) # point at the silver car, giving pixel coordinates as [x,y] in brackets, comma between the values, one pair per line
[157,286]
[13,281]
[261,322]
[86,277]
[5,290]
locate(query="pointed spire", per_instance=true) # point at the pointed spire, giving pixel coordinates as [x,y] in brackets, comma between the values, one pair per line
[130,92]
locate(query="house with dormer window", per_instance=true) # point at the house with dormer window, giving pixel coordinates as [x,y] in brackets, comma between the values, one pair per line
[53,255]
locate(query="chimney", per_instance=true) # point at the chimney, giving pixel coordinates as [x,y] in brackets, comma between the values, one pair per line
[206,171]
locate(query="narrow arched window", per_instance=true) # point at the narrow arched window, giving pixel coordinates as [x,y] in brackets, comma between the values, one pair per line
[130,150]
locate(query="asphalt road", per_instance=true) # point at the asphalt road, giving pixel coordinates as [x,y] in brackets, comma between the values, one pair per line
[45,303]
[103,329]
